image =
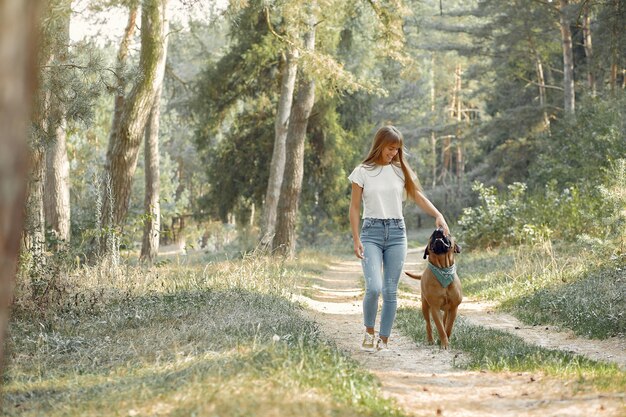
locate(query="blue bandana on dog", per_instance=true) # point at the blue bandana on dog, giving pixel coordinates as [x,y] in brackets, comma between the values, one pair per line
[445,276]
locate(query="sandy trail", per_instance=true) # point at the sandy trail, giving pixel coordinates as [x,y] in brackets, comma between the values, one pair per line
[422,379]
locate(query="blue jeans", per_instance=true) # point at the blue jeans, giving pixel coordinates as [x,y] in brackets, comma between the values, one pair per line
[384,249]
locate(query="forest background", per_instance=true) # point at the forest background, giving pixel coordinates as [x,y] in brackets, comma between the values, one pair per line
[482,95]
[228,128]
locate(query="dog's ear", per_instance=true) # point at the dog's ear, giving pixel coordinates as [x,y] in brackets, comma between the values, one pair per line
[426,252]
[457,248]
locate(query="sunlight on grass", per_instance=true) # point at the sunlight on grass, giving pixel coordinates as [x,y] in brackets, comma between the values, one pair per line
[496,350]
[564,286]
[221,338]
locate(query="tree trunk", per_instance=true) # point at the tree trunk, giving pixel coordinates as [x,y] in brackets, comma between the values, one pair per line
[446,158]
[541,79]
[433,139]
[542,89]
[285,238]
[57,171]
[591,78]
[124,143]
[615,34]
[34,227]
[120,91]
[568,59]
[18,33]
[460,165]
[281,125]
[152,208]
[34,239]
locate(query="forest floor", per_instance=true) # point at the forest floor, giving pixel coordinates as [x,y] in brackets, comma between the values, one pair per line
[423,380]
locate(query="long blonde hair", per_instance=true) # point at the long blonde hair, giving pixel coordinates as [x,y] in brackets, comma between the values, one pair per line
[389,135]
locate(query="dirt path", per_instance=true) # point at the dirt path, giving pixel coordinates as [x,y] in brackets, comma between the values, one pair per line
[422,380]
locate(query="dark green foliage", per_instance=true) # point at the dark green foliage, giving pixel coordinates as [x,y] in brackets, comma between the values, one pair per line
[238,166]
[249,69]
[573,185]
[333,150]
[581,150]
[236,101]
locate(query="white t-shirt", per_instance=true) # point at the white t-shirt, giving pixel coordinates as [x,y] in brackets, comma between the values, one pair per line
[383,190]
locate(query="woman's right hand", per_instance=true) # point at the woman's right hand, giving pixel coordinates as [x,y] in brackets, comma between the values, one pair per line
[358,249]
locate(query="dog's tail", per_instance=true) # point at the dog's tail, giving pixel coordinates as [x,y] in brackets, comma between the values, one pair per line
[414,276]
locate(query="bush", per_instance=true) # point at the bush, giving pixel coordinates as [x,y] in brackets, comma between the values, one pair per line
[500,219]
[588,212]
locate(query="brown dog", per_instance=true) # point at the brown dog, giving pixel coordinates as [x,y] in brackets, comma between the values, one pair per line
[441,287]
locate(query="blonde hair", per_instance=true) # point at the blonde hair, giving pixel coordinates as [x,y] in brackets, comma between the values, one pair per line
[389,135]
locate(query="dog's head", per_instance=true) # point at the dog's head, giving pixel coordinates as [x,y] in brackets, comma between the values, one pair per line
[440,245]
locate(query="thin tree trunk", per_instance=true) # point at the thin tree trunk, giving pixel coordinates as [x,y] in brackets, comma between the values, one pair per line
[152,208]
[433,139]
[18,38]
[57,172]
[541,81]
[460,166]
[615,32]
[446,158]
[125,142]
[591,78]
[281,125]
[285,238]
[568,59]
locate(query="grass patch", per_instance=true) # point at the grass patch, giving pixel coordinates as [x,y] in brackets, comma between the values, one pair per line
[215,339]
[563,286]
[593,305]
[496,350]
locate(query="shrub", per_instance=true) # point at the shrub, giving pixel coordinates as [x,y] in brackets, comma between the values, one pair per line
[500,219]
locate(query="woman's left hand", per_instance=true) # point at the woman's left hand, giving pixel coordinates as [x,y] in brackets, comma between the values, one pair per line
[440,222]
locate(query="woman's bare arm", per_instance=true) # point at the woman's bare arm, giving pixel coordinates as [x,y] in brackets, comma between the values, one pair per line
[355,218]
[425,204]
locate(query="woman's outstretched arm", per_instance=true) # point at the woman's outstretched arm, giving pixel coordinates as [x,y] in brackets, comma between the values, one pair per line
[425,204]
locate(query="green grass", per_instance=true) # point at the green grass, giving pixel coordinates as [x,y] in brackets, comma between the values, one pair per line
[565,286]
[215,339]
[496,350]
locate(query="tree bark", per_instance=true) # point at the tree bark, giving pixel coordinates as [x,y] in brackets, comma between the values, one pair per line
[433,139]
[152,208]
[460,165]
[541,79]
[542,89]
[615,33]
[569,99]
[122,56]
[591,78]
[281,125]
[18,38]
[34,227]
[284,241]
[56,190]
[125,141]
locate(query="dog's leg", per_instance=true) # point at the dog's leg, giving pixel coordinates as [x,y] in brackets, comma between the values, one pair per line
[429,328]
[450,321]
[443,338]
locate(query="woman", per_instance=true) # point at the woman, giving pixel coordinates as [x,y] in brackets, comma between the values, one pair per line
[382,181]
